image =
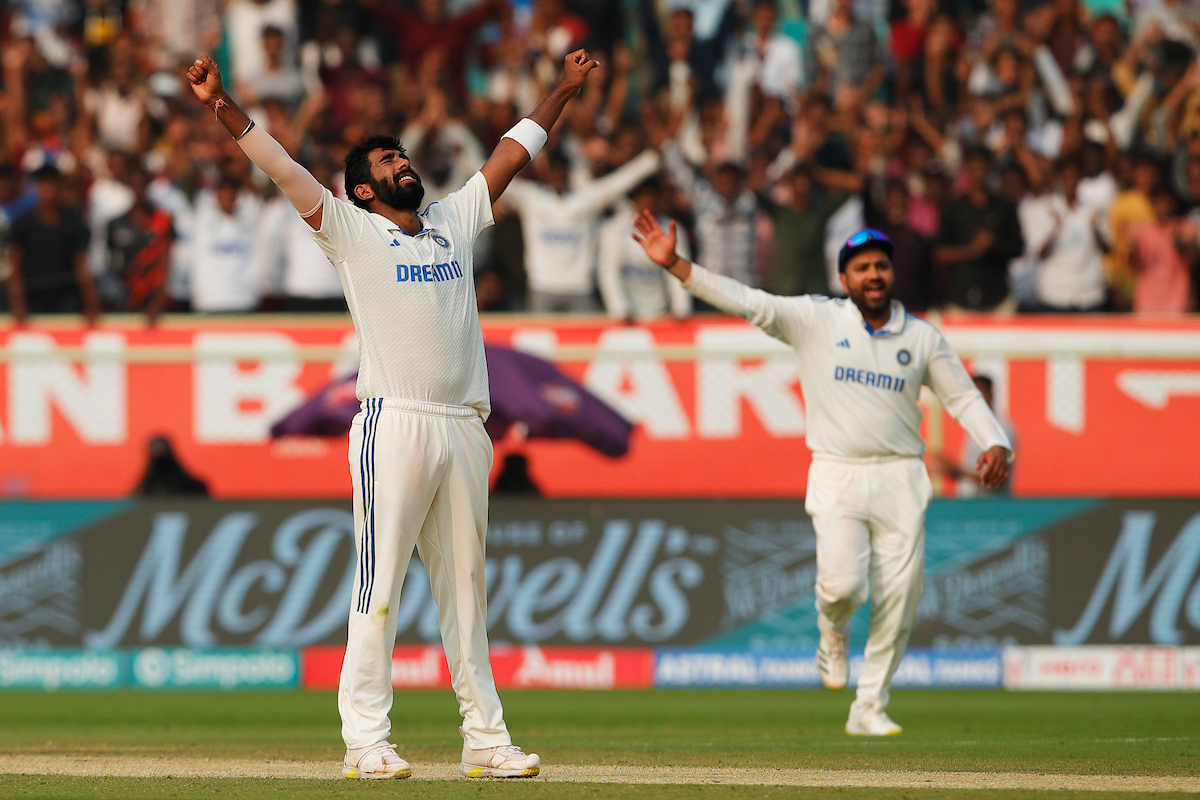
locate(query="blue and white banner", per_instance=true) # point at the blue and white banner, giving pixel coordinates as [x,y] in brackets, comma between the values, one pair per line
[151,668]
[919,668]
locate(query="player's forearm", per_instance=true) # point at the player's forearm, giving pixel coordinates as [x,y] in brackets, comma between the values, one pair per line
[230,114]
[301,189]
[550,109]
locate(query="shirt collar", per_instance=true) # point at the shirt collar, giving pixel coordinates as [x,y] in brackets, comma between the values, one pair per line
[894,326]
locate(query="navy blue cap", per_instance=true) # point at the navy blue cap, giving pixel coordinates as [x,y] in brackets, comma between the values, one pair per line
[863,240]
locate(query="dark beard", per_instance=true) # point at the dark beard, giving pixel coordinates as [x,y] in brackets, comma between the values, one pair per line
[860,299]
[401,198]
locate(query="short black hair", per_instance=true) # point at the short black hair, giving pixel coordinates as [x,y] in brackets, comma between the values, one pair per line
[651,184]
[358,162]
[46,172]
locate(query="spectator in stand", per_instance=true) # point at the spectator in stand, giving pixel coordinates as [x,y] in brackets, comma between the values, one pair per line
[119,111]
[978,235]
[245,21]
[1164,253]
[914,284]
[346,80]
[559,226]
[433,44]
[633,287]
[447,150]
[1135,177]
[279,79]
[139,246]
[779,62]
[108,196]
[293,265]
[909,33]
[724,208]
[16,194]
[798,245]
[678,52]
[174,29]
[47,256]
[846,58]
[224,277]
[1070,244]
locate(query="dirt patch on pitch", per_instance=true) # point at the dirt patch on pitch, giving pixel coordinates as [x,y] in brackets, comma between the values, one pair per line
[157,766]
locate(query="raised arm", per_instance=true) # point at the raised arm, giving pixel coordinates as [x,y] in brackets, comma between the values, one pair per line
[304,192]
[521,144]
[780,317]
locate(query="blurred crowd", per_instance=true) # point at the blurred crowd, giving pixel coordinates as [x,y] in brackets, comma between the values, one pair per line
[1024,155]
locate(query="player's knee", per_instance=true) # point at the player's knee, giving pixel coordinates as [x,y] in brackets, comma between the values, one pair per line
[845,589]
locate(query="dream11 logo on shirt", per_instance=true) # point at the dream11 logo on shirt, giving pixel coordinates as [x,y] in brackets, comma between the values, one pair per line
[427,273]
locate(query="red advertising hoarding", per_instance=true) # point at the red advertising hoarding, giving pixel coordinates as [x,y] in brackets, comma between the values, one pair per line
[424,667]
[1100,405]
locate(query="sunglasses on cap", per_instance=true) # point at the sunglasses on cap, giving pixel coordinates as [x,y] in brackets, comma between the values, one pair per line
[864,239]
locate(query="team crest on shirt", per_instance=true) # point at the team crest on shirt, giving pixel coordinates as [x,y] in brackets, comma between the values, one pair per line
[904,357]
[442,240]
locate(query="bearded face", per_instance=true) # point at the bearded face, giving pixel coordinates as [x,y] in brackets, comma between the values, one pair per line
[402,191]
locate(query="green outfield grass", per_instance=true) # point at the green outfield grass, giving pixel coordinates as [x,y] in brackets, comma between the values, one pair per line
[1140,734]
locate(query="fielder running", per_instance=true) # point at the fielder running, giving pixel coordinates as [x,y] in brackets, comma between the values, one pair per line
[419,456]
[862,362]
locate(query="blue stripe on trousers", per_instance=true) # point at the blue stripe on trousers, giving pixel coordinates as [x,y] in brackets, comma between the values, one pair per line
[366,470]
[371,528]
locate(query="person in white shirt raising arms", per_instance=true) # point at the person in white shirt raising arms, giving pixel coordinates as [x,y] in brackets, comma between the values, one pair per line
[862,361]
[419,456]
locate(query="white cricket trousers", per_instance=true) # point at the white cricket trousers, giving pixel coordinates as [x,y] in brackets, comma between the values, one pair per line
[869,516]
[420,475]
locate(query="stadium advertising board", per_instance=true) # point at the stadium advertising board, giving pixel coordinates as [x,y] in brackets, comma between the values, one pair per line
[716,403]
[150,668]
[1101,668]
[424,667]
[717,575]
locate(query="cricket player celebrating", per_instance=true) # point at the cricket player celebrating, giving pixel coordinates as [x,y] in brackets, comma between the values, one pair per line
[419,456]
[862,362]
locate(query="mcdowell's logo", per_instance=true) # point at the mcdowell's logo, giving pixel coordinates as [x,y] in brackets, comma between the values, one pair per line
[1128,587]
[636,584]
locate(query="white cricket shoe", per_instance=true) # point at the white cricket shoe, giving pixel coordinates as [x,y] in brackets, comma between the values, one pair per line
[868,719]
[833,655]
[379,761]
[505,761]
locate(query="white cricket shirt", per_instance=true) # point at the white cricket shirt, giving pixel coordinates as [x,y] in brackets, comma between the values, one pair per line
[860,387]
[224,274]
[560,230]
[631,284]
[412,298]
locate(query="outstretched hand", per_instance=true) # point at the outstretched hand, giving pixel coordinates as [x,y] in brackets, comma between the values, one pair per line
[992,466]
[575,71]
[205,78]
[658,244]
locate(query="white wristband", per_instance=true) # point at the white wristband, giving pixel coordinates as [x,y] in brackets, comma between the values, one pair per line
[529,135]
